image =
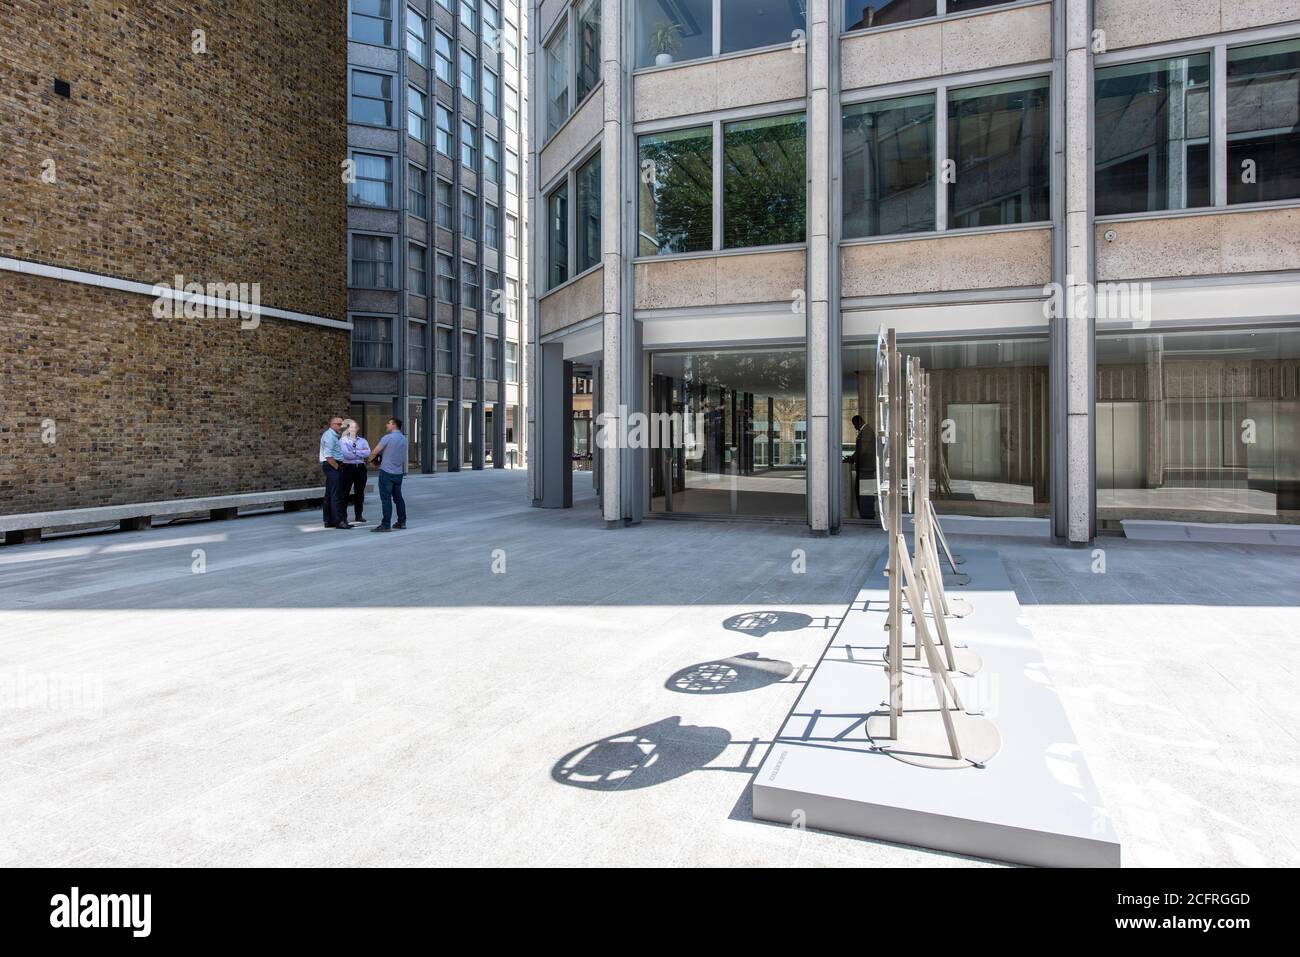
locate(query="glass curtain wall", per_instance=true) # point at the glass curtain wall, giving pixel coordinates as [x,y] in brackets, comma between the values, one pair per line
[1199,426]
[729,433]
[889,167]
[990,431]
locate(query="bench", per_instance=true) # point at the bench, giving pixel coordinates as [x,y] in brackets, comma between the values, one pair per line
[27,528]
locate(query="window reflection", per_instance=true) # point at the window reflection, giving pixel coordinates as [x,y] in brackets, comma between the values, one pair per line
[889,166]
[764,187]
[1264,122]
[999,139]
[675,192]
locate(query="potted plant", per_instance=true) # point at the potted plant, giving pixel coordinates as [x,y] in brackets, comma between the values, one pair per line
[665,40]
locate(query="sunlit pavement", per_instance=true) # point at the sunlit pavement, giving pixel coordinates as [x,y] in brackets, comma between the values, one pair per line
[502,684]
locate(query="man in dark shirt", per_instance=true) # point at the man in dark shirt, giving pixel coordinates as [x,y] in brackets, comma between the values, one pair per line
[864,469]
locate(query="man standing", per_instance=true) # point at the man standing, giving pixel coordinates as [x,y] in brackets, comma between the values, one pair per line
[332,505]
[391,451]
[864,469]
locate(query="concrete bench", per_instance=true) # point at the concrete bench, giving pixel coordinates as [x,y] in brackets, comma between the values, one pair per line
[26,528]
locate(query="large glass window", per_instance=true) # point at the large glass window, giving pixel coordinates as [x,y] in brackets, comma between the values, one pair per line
[1199,426]
[418,191]
[417,114]
[557,237]
[588,213]
[670,31]
[861,14]
[491,160]
[587,48]
[468,18]
[446,277]
[999,139]
[469,354]
[1152,138]
[468,75]
[746,24]
[989,425]
[763,182]
[492,358]
[512,362]
[731,434]
[889,167]
[491,93]
[468,145]
[371,99]
[675,195]
[372,261]
[491,226]
[557,80]
[1264,122]
[468,284]
[374,181]
[469,215]
[444,354]
[442,116]
[417,275]
[372,342]
[442,198]
[512,108]
[417,36]
[371,22]
[491,24]
[417,345]
[512,173]
[442,56]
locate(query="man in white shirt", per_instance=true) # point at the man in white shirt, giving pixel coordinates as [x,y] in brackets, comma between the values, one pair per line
[332,506]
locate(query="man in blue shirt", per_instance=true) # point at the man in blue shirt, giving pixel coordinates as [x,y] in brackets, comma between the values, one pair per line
[391,451]
[332,506]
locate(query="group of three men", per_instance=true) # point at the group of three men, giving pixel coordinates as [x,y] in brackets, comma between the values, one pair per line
[343,461]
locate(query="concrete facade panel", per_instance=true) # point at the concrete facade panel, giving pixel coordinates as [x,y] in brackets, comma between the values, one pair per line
[1258,241]
[572,304]
[943,263]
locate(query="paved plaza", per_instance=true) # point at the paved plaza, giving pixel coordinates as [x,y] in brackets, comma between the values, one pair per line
[500,684]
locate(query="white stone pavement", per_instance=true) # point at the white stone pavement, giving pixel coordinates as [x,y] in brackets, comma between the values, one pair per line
[325,697]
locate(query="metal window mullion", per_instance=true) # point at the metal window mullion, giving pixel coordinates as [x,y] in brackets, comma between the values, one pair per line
[717,185]
[717,27]
[1219,128]
[940,157]
[941,8]
[571,224]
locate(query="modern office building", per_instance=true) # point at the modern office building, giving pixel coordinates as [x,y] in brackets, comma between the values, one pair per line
[168,167]
[437,101]
[1084,217]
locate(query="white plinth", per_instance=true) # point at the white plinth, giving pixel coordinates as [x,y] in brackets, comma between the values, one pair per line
[1033,803]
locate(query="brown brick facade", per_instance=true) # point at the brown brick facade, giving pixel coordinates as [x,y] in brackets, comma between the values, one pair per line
[220,166]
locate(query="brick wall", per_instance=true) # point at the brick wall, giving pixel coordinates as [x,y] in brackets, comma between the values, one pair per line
[220,166]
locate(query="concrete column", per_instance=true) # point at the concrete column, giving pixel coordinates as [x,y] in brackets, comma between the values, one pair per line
[553,455]
[530,200]
[818,268]
[1075,518]
[613,227]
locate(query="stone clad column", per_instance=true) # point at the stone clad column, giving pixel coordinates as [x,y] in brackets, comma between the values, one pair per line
[817,283]
[612,230]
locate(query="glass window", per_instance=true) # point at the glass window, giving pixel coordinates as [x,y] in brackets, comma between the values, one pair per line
[467,17]
[469,354]
[491,24]
[588,213]
[736,440]
[512,298]
[440,432]
[860,14]
[557,80]
[446,277]
[417,114]
[1199,426]
[374,181]
[491,93]
[1152,135]
[491,160]
[512,173]
[512,45]
[444,355]
[996,456]
[587,48]
[999,138]
[746,24]
[371,99]
[675,202]
[417,37]
[468,75]
[557,237]
[491,226]
[512,232]
[442,116]
[492,292]
[418,191]
[371,22]
[443,200]
[512,108]
[372,342]
[442,56]
[447,5]
[417,345]
[468,145]
[670,31]
[889,167]
[1264,122]
[468,285]
[512,362]
[372,261]
[965,6]
[763,184]
[469,215]
[417,278]
[492,358]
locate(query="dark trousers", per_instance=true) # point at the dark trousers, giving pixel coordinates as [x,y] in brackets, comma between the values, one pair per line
[331,505]
[866,503]
[353,489]
[390,490]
